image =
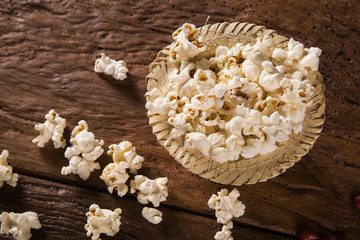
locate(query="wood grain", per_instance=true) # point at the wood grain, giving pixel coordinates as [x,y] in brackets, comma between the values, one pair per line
[47,52]
[61,209]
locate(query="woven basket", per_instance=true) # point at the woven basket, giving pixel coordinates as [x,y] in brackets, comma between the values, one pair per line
[249,171]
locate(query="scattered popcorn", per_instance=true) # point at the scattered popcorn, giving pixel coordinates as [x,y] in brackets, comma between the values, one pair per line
[53,129]
[115,176]
[19,224]
[152,215]
[154,191]
[235,92]
[224,234]
[226,206]
[83,143]
[102,221]
[109,66]
[6,171]
[125,152]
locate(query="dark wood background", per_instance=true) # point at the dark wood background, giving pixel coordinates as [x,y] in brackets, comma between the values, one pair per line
[47,54]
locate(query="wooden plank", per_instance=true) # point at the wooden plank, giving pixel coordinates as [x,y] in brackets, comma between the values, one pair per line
[61,209]
[47,54]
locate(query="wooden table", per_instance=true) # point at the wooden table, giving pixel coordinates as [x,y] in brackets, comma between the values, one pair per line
[47,54]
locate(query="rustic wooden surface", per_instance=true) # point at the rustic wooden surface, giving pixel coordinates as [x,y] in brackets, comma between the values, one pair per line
[47,53]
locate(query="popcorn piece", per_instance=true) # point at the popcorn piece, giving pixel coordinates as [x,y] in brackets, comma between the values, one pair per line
[224,234]
[6,171]
[115,176]
[156,103]
[102,221]
[19,224]
[187,45]
[179,76]
[125,152]
[181,123]
[198,141]
[152,215]
[83,143]
[226,205]
[251,70]
[109,66]
[311,59]
[154,191]
[53,129]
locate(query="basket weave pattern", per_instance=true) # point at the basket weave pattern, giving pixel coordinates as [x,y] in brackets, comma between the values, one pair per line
[248,171]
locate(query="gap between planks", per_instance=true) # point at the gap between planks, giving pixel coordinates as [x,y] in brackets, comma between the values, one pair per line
[164,205]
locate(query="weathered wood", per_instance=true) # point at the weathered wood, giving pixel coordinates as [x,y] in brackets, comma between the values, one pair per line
[61,209]
[47,52]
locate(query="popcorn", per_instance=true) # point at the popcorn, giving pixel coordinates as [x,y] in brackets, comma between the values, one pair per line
[251,70]
[270,77]
[154,191]
[6,171]
[156,103]
[198,141]
[224,234]
[210,118]
[125,152]
[187,45]
[226,205]
[181,123]
[178,76]
[53,129]
[19,224]
[83,143]
[102,221]
[109,66]
[311,59]
[152,215]
[304,57]
[255,96]
[115,176]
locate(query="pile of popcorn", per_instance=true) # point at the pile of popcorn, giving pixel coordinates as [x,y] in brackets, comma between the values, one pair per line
[241,102]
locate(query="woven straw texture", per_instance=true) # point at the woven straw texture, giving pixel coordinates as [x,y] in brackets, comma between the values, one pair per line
[248,171]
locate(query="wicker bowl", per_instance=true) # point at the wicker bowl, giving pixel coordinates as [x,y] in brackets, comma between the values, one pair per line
[243,170]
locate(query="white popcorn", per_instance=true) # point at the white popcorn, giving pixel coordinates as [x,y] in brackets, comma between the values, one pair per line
[19,224]
[102,221]
[156,103]
[179,76]
[251,70]
[311,59]
[224,234]
[125,152]
[53,129]
[226,205]
[109,66]
[304,57]
[83,143]
[187,45]
[210,118]
[270,77]
[181,123]
[198,141]
[115,176]
[6,171]
[152,215]
[154,191]
[254,96]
